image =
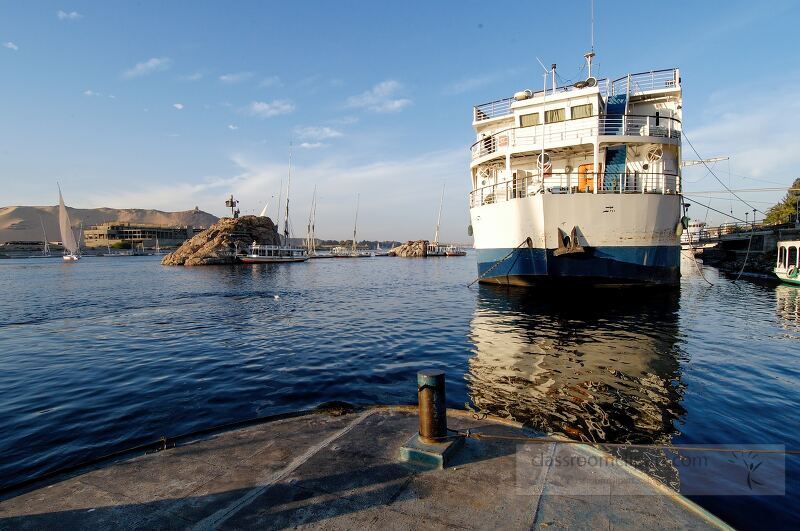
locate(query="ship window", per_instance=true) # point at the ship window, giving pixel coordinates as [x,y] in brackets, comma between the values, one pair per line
[555,115]
[527,120]
[792,256]
[581,111]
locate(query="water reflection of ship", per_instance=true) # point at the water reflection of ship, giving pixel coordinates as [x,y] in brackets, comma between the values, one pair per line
[594,369]
[787,305]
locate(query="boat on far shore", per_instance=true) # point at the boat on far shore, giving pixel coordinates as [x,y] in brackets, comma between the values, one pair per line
[454,250]
[274,254]
[787,267]
[352,251]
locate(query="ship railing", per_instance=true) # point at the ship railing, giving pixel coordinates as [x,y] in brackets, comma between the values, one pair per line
[569,131]
[494,109]
[633,84]
[665,183]
[639,125]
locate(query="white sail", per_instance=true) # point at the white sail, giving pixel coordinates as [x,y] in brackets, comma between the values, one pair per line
[264,211]
[67,236]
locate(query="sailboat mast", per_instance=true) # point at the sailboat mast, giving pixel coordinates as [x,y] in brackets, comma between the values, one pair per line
[310,226]
[288,184]
[278,210]
[439,218]
[46,249]
[355,223]
[314,222]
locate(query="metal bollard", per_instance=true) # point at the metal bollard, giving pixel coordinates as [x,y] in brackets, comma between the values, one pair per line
[432,406]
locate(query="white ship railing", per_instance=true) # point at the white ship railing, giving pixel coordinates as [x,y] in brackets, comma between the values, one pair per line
[634,84]
[566,131]
[631,84]
[572,183]
[494,109]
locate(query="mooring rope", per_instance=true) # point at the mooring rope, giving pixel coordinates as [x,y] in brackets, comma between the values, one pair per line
[749,242]
[527,241]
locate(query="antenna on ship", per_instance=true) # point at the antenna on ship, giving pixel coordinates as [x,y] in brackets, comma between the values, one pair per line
[542,159]
[590,54]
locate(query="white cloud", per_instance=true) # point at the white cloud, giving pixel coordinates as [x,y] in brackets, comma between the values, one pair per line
[11,46]
[178,106]
[316,133]
[91,93]
[338,177]
[271,81]
[312,145]
[233,127]
[235,78]
[154,64]
[380,98]
[263,109]
[196,76]
[72,15]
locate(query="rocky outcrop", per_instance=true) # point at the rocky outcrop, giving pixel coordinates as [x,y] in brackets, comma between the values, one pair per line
[218,243]
[411,249]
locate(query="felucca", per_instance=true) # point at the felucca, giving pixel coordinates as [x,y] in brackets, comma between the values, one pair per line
[71,249]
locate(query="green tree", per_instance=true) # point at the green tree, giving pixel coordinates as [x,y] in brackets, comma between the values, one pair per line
[786,209]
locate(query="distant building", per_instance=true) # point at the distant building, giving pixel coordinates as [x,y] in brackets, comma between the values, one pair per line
[123,232]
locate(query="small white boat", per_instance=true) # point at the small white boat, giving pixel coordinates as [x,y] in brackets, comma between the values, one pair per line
[455,250]
[273,254]
[439,249]
[788,266]
[352,252]
[71,249]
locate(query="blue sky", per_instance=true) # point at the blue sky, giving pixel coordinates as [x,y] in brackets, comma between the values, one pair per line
[169,105]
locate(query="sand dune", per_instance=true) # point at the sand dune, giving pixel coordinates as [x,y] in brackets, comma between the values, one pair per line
[25,222]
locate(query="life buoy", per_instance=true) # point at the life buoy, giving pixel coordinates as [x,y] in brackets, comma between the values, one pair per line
[792,272]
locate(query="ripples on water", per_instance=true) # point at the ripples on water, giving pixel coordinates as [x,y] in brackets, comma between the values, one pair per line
[107,353]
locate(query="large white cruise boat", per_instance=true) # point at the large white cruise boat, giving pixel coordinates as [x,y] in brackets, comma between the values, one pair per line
[580,184]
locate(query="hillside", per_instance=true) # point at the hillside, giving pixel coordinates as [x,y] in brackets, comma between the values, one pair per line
[23,222]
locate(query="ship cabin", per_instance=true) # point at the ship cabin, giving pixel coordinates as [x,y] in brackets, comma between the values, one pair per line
[593,137]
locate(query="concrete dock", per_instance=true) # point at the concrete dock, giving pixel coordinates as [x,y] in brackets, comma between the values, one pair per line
[341,471]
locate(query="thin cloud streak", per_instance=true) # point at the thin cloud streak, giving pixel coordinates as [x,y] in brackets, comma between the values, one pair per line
[152,65]
[72,15]
[238,77]
[262,109]
[380,98]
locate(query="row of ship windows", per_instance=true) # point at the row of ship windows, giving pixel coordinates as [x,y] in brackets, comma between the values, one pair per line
[556,115]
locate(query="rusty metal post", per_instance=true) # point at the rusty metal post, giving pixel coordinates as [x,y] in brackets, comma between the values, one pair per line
[432,406]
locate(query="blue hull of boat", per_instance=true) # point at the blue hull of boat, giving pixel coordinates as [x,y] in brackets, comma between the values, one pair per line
[650,265]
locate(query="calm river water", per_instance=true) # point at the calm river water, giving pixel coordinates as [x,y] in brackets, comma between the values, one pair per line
[111,352]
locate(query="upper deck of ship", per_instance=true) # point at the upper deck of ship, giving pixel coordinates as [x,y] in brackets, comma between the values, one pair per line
[642,107]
